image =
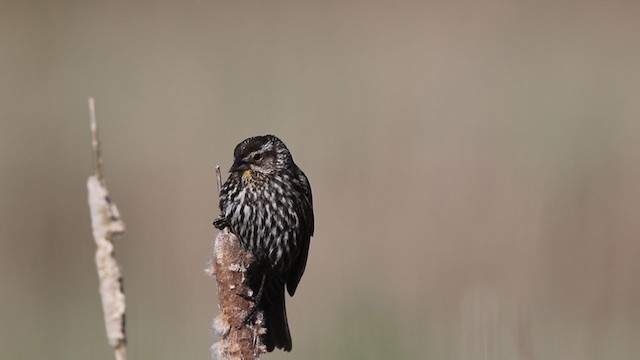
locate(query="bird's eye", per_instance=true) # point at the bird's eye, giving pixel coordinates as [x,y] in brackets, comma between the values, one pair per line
[257,156]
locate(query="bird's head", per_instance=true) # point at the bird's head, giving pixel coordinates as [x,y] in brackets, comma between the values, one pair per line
[263,155]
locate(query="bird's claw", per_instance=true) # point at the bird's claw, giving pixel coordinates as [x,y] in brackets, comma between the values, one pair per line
[252,313]
[220,222]
[253,299]
[249,298]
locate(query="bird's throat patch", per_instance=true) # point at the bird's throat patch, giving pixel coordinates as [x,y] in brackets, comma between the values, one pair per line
[247,175]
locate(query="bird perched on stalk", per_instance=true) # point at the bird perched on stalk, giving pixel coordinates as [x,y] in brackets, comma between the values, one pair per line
[267,203]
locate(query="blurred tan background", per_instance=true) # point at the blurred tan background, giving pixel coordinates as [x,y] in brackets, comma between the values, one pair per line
[475,167]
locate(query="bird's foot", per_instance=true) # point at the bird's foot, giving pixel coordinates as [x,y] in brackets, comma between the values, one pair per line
[255,300]
[220,222]
[251,315]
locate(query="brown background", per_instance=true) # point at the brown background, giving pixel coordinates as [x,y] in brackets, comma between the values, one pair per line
[474,164]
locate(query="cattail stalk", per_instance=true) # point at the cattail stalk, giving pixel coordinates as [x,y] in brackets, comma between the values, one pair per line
[107,227]
[240,338]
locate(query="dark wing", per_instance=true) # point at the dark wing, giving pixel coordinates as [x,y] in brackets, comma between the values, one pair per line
[304,209]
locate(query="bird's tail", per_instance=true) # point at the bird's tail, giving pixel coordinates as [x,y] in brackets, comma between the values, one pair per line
[275,317]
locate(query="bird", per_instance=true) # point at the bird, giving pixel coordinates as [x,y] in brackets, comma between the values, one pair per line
[267,202]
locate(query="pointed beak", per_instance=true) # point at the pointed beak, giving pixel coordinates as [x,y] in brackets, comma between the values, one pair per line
[239,165]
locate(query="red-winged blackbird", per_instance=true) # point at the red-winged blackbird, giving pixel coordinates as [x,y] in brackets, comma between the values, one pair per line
[267,203]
